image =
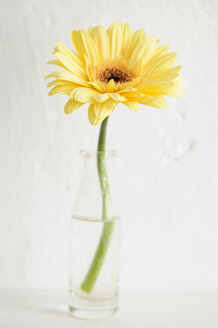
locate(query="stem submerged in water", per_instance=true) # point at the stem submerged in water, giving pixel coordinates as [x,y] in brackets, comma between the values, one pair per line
[102,248]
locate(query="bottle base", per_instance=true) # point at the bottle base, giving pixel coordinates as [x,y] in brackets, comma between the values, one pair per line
[92,310]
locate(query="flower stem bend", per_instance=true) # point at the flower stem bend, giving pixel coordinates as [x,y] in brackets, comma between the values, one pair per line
[98,260]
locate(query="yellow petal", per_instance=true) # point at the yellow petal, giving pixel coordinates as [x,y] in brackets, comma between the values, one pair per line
[115,40]
[135,40]
[163,50]
[72,66]
[167,61]
[62,82]
[67,76]
[97,86]
[69,53]
[130,95]
[71,106]
[85,46]
[101,97]
[111,86]
[89,47]
[129,89]
[143,52]
[176,90]
[91,115]
[156,88]
[126,35]
[63,89]
[153,101]
[55,62]
[77,42]
[83,94]
[170,73]
[99,111]
[117,97]
[161,80]
[100,37]
[60,86]
[162,62]
[168,83]
[133,105]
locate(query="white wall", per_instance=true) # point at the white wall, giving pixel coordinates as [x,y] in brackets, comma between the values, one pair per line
[169,181]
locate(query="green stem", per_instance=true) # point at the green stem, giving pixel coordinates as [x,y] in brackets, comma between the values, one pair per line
[102,248]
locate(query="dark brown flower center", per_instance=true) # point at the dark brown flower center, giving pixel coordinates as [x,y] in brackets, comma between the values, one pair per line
[117,74]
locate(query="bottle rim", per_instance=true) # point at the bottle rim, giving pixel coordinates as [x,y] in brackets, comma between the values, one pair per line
[90,153]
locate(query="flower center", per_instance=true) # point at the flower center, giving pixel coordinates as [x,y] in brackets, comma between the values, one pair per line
[117,74]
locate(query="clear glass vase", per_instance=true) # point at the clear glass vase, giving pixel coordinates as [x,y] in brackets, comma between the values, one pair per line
[95,240]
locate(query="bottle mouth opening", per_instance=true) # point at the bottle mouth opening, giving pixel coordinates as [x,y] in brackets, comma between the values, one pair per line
[94,153]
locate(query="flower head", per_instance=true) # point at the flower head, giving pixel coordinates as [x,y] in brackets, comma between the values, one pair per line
[114,66]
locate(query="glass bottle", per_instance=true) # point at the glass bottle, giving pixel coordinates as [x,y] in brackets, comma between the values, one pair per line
[95,240]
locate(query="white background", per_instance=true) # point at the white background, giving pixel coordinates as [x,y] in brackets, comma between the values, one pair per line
[168,158]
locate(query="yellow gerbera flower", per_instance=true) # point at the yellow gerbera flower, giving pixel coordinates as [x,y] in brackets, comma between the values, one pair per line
[114,66]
